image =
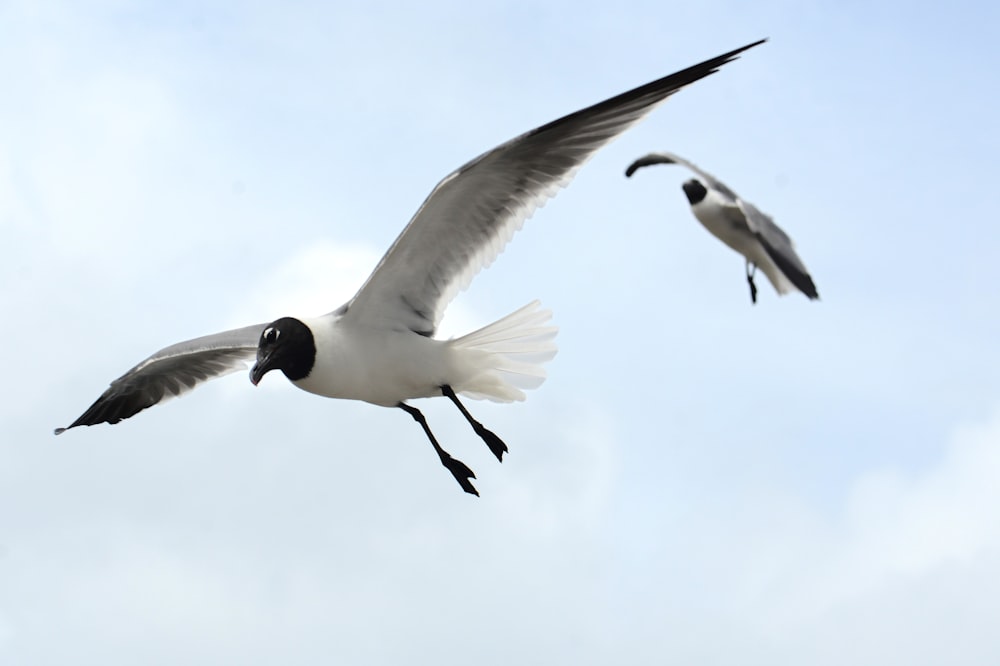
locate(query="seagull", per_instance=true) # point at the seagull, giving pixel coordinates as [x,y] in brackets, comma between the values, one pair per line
[380,347]
[741,226]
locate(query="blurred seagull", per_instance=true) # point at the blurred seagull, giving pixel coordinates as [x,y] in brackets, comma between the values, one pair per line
[739,224]
[379,347]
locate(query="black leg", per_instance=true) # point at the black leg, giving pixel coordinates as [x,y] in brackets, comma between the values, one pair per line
[751,271]
[457,468]
[495,443]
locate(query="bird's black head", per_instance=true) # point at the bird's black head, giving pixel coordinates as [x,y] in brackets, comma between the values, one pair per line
[287,345]
[694,190]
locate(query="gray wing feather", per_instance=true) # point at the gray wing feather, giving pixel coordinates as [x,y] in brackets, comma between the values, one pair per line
[779,247]
[471,215]
[670,158]
[171,372]
[763,225]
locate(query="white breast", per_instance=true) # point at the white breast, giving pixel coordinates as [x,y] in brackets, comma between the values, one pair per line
[380,366]
[726,222]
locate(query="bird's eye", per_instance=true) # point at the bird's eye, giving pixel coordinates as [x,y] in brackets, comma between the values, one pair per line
[271,335]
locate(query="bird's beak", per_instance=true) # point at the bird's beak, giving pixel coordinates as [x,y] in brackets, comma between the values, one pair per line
[260,368]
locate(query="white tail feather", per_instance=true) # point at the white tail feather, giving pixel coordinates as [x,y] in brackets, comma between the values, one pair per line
[508,354]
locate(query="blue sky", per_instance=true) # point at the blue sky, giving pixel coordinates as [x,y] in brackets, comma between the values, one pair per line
[698,481]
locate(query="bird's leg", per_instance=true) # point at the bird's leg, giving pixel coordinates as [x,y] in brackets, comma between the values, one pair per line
[458,469]
[751,271]
[495,443]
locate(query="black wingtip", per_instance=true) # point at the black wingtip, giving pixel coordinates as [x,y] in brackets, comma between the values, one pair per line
[810,288]
[712,65]
[757,43]
[79,422]
[693,73]
[800,279]
[648,160]
[735,52]
[721,60]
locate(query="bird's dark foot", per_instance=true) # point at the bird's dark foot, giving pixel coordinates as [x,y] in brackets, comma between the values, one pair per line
[496,444]
[461,472]
[751,272]
[458,469]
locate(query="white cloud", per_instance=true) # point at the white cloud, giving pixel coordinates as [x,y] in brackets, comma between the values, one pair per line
[910,566]
[900,525]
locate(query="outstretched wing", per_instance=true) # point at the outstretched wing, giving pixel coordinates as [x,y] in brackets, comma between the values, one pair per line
[671,158]
[172,371]
[471,215]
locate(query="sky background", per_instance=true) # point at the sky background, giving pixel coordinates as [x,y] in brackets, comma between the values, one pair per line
[699,481]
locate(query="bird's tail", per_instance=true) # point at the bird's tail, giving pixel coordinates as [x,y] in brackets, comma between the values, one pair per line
[507,355]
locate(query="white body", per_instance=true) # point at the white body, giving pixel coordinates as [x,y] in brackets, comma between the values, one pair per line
[726,221]
[388,366]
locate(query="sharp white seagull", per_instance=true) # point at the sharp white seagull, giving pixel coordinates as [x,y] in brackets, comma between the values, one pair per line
[379,347]
[741,226]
